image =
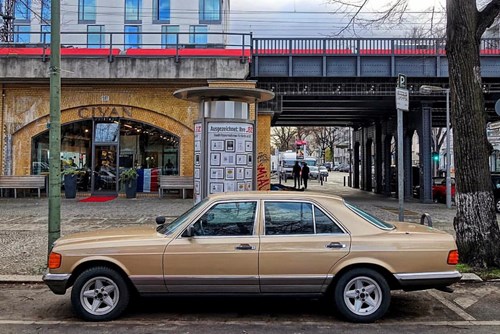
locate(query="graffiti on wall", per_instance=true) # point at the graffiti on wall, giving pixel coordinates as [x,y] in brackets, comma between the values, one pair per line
[263,175]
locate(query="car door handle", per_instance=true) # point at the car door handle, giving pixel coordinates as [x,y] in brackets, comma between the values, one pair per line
[245,247]
[335,245]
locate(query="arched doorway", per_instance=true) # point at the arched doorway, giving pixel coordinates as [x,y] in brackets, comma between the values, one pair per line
[101,148]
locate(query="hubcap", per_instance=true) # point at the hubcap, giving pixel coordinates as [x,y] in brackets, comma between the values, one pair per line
[363,296]
[99,295]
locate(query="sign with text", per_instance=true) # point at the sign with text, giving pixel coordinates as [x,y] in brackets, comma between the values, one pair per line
[402,99]
[230,157]
[401,81]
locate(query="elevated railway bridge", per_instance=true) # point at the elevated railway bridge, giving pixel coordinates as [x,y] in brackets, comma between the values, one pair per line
[317,82]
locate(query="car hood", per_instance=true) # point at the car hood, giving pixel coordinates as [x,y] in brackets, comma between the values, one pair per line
[108,235]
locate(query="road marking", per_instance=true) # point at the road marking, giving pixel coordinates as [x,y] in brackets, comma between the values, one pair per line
[461,313]
[250,322]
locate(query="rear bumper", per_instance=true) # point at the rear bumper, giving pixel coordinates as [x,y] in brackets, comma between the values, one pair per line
[419,281]
[58,283]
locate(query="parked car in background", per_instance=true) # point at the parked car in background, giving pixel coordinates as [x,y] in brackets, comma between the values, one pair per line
[328,166]
[438,189]
[342,168]
[313,172]
[273,243]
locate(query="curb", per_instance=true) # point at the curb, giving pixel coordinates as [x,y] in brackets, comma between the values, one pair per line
[470,277]
[20,279]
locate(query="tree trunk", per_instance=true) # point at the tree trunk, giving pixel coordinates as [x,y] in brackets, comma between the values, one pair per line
[478,234]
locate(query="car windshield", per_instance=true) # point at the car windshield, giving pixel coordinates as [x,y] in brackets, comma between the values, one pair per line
[369,218]
[170,228]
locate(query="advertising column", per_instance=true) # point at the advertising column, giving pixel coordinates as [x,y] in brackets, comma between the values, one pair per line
[231,156]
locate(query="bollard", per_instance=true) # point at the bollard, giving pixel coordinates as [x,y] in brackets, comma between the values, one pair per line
[321,179]
[344,181]
[426,217]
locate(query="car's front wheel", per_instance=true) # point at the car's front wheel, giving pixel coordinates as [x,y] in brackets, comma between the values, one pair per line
[362,295]
[497,204]
[100,294]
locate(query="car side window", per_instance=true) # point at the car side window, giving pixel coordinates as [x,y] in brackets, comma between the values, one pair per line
[324,224]
[285,218]
[227,219]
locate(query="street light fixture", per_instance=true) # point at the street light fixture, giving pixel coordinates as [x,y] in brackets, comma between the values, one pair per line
[426,89]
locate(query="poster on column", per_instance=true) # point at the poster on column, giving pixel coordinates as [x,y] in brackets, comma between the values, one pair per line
[233,143]
[198,137]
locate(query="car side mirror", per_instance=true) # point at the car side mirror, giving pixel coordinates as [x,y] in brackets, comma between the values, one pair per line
[189,232]
[160,220]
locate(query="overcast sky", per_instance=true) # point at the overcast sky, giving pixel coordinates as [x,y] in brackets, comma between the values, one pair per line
[317,18]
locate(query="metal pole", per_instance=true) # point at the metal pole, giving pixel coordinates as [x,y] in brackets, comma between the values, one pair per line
[448,156]
[55,126]
[400,166]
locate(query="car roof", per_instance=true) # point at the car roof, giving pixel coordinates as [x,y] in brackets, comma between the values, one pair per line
[274,195]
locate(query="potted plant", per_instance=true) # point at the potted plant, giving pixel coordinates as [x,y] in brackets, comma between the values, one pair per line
[70,176]
[129,179]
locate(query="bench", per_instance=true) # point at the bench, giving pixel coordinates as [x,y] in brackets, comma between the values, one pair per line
[175,182]
[21,182]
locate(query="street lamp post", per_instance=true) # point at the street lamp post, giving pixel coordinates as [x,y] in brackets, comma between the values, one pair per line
[428,89]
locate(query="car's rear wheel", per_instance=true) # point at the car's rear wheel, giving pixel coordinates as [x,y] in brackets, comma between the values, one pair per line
[362,295]
[100,294]
[497,204]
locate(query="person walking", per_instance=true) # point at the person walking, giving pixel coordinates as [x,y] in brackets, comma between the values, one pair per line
[296,175]
[305,174]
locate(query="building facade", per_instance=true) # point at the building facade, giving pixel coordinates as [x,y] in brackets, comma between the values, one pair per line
[134,23]
[108,128]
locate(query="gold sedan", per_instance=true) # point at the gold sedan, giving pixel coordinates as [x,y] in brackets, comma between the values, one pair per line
[279,243]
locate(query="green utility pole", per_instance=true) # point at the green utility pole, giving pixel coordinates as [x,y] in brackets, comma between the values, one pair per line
[55,125]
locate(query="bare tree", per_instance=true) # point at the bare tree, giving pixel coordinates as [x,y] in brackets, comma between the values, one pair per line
[7,12]
[478,234]
[477,230]
[7,28]
[283,137]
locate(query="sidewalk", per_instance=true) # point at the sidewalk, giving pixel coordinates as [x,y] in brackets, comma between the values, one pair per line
[24,221]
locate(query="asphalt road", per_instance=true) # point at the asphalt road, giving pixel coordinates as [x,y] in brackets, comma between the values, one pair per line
[472,308]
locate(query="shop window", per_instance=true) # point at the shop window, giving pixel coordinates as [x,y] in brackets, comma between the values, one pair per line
[139,145]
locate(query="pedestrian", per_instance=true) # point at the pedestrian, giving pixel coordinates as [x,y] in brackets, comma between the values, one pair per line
[305,174]
[296,175]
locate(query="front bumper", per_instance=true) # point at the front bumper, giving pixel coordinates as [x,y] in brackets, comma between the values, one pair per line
[418,281]
[58,283]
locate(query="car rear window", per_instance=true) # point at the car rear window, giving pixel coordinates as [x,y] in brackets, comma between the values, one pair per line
[369,218]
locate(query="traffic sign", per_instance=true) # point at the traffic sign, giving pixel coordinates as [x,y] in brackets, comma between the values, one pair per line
[401,81]
[402,99]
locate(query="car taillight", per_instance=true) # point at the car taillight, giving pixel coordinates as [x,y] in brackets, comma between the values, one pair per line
[54,260]
[453,257]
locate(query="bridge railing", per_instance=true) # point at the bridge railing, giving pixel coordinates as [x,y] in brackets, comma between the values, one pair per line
[146,44]
[361,46]
[215,44]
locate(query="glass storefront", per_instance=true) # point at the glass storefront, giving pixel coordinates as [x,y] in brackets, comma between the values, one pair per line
[102,148]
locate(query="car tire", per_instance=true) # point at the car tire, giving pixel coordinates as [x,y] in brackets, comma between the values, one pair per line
[362,295]
[497,205]
[100,294]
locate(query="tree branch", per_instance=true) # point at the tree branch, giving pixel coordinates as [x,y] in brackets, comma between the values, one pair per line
[487,16]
